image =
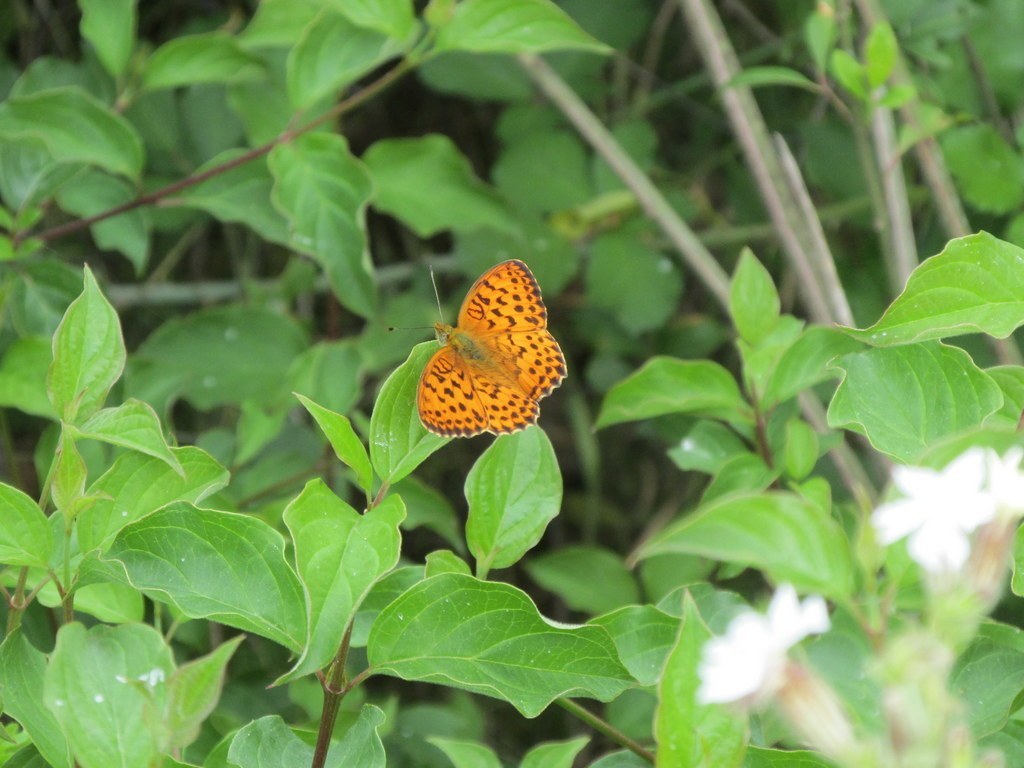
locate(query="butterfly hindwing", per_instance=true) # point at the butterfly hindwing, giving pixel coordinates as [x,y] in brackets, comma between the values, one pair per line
[446,398]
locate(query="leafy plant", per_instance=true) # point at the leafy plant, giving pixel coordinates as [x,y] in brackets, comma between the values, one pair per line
[227,539]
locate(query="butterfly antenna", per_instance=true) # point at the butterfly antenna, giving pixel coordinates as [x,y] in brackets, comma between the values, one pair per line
[437,295]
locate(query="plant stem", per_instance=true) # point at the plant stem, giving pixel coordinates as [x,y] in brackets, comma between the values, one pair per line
[335,687]
[343,106]
[606,728]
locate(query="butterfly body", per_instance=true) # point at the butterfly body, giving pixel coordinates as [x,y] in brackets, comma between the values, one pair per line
[496,363]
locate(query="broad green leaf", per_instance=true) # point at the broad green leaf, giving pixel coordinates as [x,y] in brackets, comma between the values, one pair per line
[94,192]
[323,190]
[849,72]
[988,171]
[110,26]
[241,194]
[1009,379]
[136,485]
[482,76]
[215,565]
[820,34]
[513,26]
[30,176]
[133,425]
[279,23]
[444,561]
[555,155]
[392,17]
[23,376]
[22,667]
[466,754]
[588,578]
[687,732]
[270,743]
[554,754]
[976,285]
[744,472]
[383,593]
[343,439]
[329,373]
[753,300]
[339,555]
[757,77]
[762,757]
[398,440]
[429,185]
[38,299]
[514,490]
[213,57]
[192,693]
[903,399]
[88,354]
[801,450]
[220,356]
[430,509]
[74,127]
[333,53]
[109,602]
[643,297]
[89,685]
[989,676]
[665,385]
[25,537]
[806,363]
[707,447]
[780,533]
[643,636]
[488,637]
[880,53]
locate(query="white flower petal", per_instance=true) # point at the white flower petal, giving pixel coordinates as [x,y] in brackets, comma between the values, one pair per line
[966,471]
[939,548]
[1006,480]
[915,482]
[895,520]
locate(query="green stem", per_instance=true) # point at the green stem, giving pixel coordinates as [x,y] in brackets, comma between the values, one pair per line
[335,687]
[606,728]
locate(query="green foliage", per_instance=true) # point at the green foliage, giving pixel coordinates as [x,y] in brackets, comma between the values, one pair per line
[226,538]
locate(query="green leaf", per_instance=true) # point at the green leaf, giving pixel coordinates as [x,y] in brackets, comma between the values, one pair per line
[820,34]
[880,53]
[433,633]
[988,172]
[665,385]
[383,593]
[137,484]
[429,185]
[780,533]
[398,440]
[278,23]
[514,490]
[68,475]
[444,561]
[329,373]
[240,195]
[762,757]
[213,57]
[220,356]
[557,156]
[758,77]
[323,190]
[807,362]
[1009,379]
[430,509]
[743,473]
[513,26]
[133,425]
[75,127]
[215,565]
[339,555]
[643,636]
[38,299]
[110,26]
[343,439]
[90,687]
[94,192]
[849,72]
[643,297]
[753,300]
[707,447]
[88,354]
[193,690]
[332,54]
[270,743]
[466,754]
[23,376]
[903,399]
[588,578]
[801,449]
[25,537]
[989,676]
[22,667]
[688,733]
[554,754]
[976,285]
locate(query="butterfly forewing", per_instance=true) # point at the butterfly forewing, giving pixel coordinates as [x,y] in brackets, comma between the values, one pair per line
[446,398]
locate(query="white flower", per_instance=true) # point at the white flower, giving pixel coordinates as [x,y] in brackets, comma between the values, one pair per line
[751,656]
[1006,480]
[939,509]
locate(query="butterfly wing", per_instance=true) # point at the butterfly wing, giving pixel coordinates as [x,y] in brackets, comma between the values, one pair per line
[507,408]
[504,313]
[446,398]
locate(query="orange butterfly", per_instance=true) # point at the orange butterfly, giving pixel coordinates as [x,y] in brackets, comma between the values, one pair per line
[498,361]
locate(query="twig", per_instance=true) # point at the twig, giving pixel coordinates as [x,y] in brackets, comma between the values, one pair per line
[606,728]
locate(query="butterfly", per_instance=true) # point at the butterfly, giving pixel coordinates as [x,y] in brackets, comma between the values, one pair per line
[496,363]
